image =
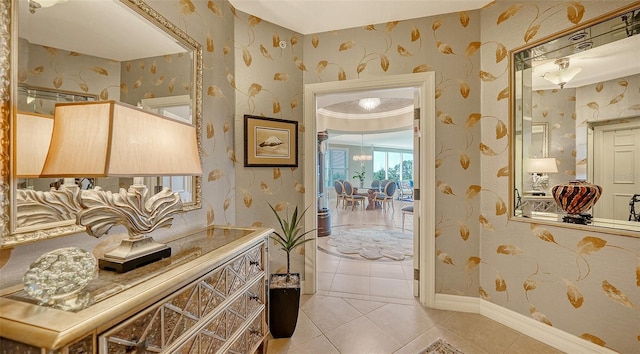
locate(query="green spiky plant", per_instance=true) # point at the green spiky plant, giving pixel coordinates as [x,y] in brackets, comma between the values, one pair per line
[290,237]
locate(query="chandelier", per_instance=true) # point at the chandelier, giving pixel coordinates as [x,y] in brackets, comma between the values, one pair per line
[362,157]
[564,74]
[369,103]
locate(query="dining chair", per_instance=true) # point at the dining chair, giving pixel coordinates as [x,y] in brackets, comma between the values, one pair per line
[406,210]
[339,187]
[386,197]
[351,196]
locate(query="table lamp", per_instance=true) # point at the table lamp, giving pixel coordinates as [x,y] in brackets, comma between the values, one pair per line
[111,139]
[539,167]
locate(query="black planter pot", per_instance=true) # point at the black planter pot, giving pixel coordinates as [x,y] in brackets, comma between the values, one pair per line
[284,302]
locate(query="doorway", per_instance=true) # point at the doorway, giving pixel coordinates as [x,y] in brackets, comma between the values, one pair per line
[424,134]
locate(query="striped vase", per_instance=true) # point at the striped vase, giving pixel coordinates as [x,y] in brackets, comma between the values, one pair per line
[576,197]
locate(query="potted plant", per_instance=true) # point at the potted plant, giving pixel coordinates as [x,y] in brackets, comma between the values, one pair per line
[360,177]
[284,289]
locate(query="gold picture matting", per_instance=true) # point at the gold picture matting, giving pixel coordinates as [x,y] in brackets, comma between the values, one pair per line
[270,142]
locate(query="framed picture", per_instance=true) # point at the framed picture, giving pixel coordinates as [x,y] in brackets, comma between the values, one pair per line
[270,142]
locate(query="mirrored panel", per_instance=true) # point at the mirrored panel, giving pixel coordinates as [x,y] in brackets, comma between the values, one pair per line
[576,109]
[92,55]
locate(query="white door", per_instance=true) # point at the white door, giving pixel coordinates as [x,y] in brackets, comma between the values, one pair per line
[617,150]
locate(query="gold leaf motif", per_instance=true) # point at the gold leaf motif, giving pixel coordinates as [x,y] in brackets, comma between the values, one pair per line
[276,173]
[299,187]
[575,11]
[436,24]
[501,52]
[472,48]
[501,285]
[124,88]
[485,223]
[346,45]
[384,63]
[617,99]
[57,81]
[246,57]
[226,204]
[214,8]
[104,95]
[276,106]
[503,172]
[593,339]
[501,207]
[531,32]
[464,19]
[210,129]
[485,76]
[501,130]
[464,160]
[574,295]
[616,295]
[472,263]
[38,69]
[390,26]
[464,232]
[247,199]
[508,249]
[254,89]
[84,87]
[503,94]
[472,119]
[635,107]
[486,150]
[322,64]
[590,244]
[444,48]
[439,162]
[438,93]
[74,54]
[403,52]
[506,14]
[599,87]
[539,316]
[281,77]
[265,52]
[472,191]
[253,20]
[445,188]
[623,83]
[226,49]
[294,103]
[638,275]
[293,40]
[299,63]
[342,75]
[421,69]
[52,51]
[226,127]
[593,105]
[210,46]
[153,68]
[265,188]
[370,28]
[483,294]
[275,40]
[210,215]
[315,41]
[361,67]
[542,234]
[415,34]
[215,91]
[444,258]
[230,78]
[464,89]
[529,284]
[187,7]
[215,175]
[100,70]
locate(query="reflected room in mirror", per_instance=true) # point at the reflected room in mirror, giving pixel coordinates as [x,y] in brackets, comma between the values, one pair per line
[576,117]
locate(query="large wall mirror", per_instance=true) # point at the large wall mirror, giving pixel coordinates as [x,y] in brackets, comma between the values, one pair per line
[78,50]
[576,116]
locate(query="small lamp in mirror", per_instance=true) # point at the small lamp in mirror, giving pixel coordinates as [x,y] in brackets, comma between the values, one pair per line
[110,139]
[563,75]
[539,167]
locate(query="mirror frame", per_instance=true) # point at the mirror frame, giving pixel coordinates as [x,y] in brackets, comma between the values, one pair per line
[512,127]
[8,94]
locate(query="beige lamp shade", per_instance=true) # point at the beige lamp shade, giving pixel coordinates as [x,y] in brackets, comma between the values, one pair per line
[99,139]
[33,135]
[543,165]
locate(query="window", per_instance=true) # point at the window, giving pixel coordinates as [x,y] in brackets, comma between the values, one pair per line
[336,165]
[393,165]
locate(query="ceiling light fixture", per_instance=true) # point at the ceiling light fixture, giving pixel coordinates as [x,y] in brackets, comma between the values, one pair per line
[34,5]
[369,103]
[362,157]
[564,73]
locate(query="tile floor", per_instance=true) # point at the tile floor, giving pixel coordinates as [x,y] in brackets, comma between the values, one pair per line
[367,307]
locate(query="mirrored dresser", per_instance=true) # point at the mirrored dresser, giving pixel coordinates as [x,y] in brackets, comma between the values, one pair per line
[208,297]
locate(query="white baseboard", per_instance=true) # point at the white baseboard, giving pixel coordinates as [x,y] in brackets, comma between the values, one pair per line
[552,336]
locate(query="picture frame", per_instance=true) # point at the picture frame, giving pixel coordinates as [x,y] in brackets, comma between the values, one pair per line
[270,142]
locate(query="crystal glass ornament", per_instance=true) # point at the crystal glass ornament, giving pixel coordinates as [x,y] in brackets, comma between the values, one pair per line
[57,278]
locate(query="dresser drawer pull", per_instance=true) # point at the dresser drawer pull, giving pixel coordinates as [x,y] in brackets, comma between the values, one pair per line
[255,297]
[254,263]
[139,347]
